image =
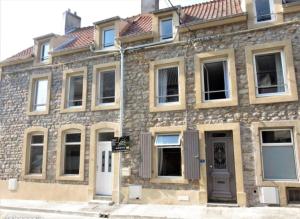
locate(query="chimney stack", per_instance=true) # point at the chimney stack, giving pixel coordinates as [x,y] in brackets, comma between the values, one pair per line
[149,6]
[71,21]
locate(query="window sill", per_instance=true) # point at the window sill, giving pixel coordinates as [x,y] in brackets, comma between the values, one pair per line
[113,106]
[34,176]
[291,7]
[216,103]
[72,110]
[168,180]
[167,107]
[70,178]
[273,99]
[37,113]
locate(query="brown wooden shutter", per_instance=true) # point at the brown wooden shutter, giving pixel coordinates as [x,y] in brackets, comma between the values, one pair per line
[146,145]
[191,155]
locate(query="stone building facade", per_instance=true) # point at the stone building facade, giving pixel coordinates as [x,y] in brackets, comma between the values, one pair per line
[188,144]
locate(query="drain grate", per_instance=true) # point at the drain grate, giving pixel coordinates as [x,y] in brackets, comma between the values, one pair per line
[103,215]
[293,195]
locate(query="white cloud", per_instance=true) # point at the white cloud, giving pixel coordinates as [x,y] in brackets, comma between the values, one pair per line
[22,20]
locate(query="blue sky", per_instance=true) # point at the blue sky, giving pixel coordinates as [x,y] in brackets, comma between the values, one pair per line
[22,20]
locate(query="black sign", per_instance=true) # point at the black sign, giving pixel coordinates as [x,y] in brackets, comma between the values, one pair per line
[120,144]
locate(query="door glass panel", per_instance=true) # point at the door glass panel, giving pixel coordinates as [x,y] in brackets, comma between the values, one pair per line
[103,162]
[109,161]
[219,155]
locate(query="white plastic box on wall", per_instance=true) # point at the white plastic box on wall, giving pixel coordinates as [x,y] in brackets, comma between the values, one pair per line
[269,195]
[12,184]
[135,192]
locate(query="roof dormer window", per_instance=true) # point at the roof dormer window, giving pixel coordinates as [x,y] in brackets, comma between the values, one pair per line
[166,28]
[263,9]
[108,37]
[44,52]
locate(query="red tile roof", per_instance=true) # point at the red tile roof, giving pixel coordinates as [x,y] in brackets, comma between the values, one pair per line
[139,24]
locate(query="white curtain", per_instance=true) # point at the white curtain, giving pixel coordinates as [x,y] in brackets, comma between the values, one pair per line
[163,85]
[226,79]
[279,73]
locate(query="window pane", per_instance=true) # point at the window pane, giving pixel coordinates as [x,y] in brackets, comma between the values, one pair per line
[45,51]
[74,137]
[169,162]
[280,136]
[279,162]
[269,73]
[72,155]
[109,37]
[36,159]
[106,136]
[166,29]
[107,87]
[75,91]
[216,84]
[263,11]
[37,139]
[167,140]
[168,85]
[41,91]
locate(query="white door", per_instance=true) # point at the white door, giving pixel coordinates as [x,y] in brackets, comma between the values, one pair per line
[104,168]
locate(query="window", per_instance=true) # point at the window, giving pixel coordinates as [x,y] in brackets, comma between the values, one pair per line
[290,1]
[216,84]
[106,93]
[169,155]
[278,156]
[166,29]
[168,87]
[269,74]
[44,52]
[215,79]
[39,94]
[263,10]
[108,37]
[35,153]
[74,90]
[72,153]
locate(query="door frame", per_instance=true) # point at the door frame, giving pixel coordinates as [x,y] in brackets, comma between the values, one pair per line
[95,130]
[238,161]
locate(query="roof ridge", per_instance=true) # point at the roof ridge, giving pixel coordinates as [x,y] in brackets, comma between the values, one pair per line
[202,3]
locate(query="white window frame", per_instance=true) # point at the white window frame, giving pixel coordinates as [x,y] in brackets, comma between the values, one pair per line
[64,150]
[273,18]
[291,144]
[228,79]
[36,145]
[162,146]
[41,52]
[160,28]
[283,63]
[98,94]
[35,95]
[103,37]
[157,86]
[68,91]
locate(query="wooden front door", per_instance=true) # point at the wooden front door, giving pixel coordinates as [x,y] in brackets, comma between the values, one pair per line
[220,167]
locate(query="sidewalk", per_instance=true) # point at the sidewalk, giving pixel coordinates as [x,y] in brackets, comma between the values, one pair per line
[133,211]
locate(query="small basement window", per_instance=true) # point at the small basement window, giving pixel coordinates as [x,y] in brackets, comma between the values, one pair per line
[216,81]
[263,10]
[293,195]
[270,74]
[169,155]
[168,88]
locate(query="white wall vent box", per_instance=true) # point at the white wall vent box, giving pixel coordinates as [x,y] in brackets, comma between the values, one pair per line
[269,195]
[135,192]
[183,198]
[12,184]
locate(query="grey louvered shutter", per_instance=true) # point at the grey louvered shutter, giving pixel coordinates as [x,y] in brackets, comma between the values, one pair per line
[145,166]
[191,155]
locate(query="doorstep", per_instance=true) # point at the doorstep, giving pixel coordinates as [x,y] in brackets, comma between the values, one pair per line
[68,208]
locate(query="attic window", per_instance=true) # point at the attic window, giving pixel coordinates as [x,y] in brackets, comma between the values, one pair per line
[166,28]
[108,37]
[263,10]
[44,52]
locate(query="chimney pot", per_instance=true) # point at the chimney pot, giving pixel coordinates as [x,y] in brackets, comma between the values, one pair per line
[149,6]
